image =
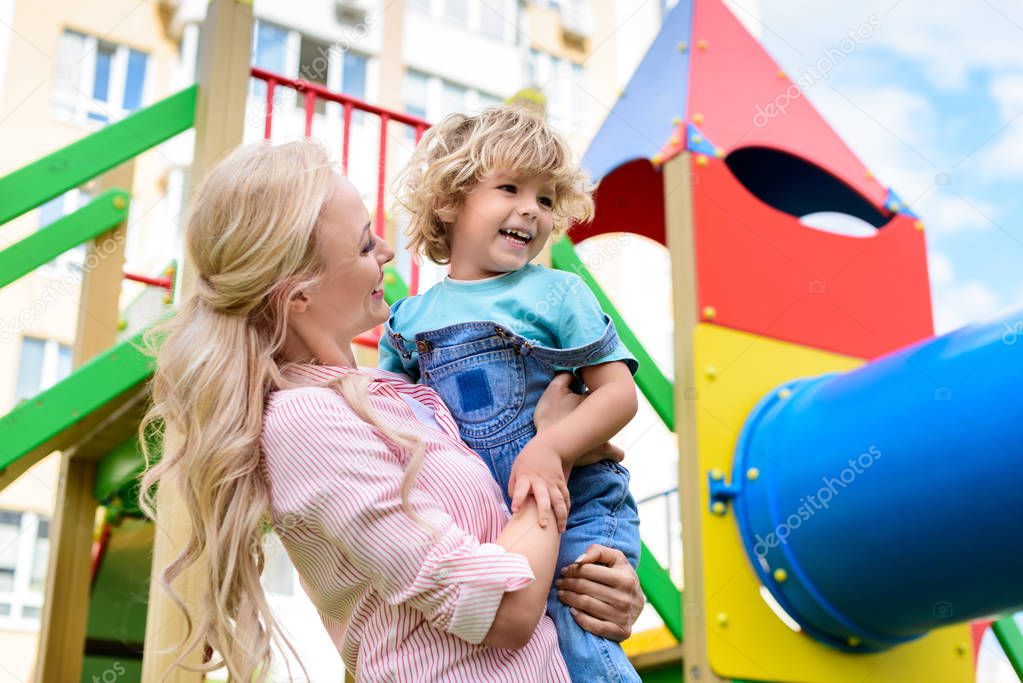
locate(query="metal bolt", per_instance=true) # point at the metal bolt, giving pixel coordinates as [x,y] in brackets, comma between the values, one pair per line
[780,575]
[784,393]
[722,618]
[716,474]
[119,203]
[753,473]
[711,372]
[853,641]
[718,508]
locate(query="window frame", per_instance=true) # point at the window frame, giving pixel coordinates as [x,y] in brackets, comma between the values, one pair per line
[76,108]
[21,596]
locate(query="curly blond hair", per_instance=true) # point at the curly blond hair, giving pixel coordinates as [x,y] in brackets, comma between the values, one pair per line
[461,150]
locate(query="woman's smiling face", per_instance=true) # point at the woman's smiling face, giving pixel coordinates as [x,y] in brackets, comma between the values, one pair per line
[349,297]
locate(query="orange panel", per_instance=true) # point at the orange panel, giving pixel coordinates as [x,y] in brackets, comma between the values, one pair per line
[736,95]
[764,272]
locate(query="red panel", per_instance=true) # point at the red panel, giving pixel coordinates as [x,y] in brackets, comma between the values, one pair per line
[977,630]
[629,199]
[764,272]
[734,83]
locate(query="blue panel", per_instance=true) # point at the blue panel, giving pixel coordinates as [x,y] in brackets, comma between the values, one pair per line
[640,121]
[891,495]
[894,203]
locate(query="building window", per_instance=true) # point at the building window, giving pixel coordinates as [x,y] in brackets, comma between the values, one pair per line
[97,81]
[313,66]
[457,11]
[24,554]
[10,529]
[454,98]
[492,21]
[43,363]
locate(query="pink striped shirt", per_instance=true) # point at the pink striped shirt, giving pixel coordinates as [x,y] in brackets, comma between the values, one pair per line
[398,604]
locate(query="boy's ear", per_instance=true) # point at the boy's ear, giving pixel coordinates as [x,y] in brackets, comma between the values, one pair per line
[447,215]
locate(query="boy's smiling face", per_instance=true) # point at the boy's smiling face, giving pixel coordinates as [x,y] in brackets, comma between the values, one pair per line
[503,224]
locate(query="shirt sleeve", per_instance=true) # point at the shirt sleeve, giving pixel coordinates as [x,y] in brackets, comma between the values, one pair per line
[581,321]
[388,357]
[343,482]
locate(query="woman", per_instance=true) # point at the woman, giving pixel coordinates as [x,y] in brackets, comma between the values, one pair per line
[399,534]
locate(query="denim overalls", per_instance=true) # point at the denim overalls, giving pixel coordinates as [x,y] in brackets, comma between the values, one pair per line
[491,379]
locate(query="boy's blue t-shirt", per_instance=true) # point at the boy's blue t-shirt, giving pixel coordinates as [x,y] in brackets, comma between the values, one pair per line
[551,307]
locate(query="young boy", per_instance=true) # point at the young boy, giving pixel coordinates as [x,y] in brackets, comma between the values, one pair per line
[485,193]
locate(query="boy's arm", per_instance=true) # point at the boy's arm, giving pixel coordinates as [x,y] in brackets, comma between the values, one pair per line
[610,405]
[544,464]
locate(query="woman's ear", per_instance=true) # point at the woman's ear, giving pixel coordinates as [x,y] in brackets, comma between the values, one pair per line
[299,303]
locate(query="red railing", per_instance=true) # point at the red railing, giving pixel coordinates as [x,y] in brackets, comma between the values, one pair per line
[311,91]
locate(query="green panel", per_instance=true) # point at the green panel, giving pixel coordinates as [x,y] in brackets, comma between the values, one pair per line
[67,168]
[119,596]
[111,669]
[117,469]
[46,244]
[661,591]
[669,673]
[1008,634]
[35,421]
[394,287]
[654,385]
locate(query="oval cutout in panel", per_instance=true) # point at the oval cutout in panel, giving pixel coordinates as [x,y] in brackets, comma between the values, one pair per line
[798,187]
[839,223]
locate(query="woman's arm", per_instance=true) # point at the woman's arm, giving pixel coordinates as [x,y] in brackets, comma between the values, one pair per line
[520,610]
[338,481]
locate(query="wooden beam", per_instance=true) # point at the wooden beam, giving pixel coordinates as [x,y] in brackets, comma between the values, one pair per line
[219,127]
[678,208]
[62,639]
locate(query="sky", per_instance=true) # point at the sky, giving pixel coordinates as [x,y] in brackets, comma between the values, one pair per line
[932,102]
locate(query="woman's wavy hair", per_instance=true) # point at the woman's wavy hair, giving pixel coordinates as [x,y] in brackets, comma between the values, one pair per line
[461,150]
[252,241]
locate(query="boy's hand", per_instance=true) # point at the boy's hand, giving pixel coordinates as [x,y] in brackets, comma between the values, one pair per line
[538,469]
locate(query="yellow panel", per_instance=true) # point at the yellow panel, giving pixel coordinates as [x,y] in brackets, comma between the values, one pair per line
[651,640]
[746,640]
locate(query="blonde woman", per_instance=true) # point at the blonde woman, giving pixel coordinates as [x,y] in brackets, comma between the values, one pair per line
[400,535]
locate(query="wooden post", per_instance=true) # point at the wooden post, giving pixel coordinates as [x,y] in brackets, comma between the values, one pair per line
[66,606]
[678,208]
[219,127]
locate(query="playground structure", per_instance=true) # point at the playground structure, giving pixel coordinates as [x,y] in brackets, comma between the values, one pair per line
[881,579]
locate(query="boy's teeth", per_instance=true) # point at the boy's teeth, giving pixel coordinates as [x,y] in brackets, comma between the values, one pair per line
[516,233]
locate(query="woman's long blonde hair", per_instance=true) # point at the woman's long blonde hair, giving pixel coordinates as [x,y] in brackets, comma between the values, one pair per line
[252,241]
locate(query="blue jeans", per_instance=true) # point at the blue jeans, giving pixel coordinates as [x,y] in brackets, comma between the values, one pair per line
[491,379]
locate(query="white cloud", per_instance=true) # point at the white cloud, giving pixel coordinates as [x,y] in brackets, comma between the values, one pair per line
[958,304]
[949,38]
[1001,157]
[1007,91]
[947,212]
